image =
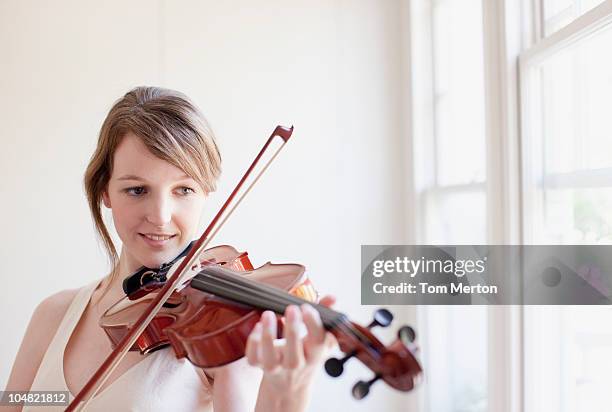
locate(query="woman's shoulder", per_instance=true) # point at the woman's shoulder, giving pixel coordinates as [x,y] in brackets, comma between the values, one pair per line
[43,325]
[47,317]
[55,305]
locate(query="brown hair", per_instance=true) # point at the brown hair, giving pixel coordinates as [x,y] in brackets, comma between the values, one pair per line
[171,127]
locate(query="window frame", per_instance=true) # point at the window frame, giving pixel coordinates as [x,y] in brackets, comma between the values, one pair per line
[592,21]
[532,167]
[514,39]
[503,41]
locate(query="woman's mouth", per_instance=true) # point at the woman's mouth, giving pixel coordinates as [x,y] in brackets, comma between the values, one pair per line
[156,240]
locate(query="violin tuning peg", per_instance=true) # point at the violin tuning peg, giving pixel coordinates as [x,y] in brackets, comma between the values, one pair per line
[362,388]
[334,366]
[406,334]
[382,317]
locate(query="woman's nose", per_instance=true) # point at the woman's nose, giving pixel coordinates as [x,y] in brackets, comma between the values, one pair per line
[159,212]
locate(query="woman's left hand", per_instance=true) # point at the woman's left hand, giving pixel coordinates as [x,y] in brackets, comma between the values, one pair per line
[290,365]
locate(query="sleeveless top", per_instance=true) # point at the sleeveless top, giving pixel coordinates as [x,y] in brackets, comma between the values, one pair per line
[159,382]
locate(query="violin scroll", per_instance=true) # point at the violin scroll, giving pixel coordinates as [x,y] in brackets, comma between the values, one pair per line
[395,364]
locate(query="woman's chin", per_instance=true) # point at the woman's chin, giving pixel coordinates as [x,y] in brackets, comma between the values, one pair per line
[155,260]
[154,256]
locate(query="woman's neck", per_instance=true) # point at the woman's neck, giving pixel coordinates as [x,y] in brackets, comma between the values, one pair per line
[110,289]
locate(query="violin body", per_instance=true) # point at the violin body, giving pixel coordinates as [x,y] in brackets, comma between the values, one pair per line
[208,330]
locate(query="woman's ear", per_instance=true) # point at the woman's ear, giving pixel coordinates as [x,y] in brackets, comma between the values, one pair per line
[106,199]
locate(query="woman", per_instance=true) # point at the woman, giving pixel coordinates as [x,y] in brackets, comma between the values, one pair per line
[155,163]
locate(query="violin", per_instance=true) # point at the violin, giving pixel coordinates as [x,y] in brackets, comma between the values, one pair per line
[190,319]
[211,300]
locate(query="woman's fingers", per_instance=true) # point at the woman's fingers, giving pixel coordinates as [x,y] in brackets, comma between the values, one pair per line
[253,347]
[293,356]
[297,350]
[270,357]
[314,325]
[314,342]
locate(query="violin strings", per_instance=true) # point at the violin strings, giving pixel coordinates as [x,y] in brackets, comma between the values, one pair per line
[266,300]
[250,285]
[203,282]
[213,285]
[329,316]
[241,296]
[267,295]
[270,292]
[259,295]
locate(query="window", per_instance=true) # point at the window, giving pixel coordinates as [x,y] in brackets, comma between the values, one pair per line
[568,139]
[450,173]
[566,82]
[451,148]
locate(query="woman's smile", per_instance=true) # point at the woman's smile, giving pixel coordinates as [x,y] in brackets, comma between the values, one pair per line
[156,241]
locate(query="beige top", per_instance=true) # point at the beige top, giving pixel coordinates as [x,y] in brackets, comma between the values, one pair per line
[160,382]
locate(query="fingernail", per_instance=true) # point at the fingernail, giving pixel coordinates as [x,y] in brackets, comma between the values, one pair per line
[265,317]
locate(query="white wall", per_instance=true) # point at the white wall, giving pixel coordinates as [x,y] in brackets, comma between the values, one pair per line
[331,68]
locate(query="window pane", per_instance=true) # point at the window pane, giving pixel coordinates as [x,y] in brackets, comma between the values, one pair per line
[459,91]
[576,89]
[569,201]
[577,216]
[570,126]
[568,358]
[457,367]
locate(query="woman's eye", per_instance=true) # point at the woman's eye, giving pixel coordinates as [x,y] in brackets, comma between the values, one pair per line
[186,190]
[135,191]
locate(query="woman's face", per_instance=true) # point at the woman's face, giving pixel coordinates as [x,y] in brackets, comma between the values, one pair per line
[156,207]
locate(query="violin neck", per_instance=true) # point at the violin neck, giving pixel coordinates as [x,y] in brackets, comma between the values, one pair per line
[228,284]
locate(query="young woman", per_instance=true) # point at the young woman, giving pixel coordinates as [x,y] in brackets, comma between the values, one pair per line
[155,163]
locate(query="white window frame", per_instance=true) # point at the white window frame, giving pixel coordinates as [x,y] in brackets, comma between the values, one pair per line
[504,40]
[581,27]
[537,49]
[505,37]
[514,39]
